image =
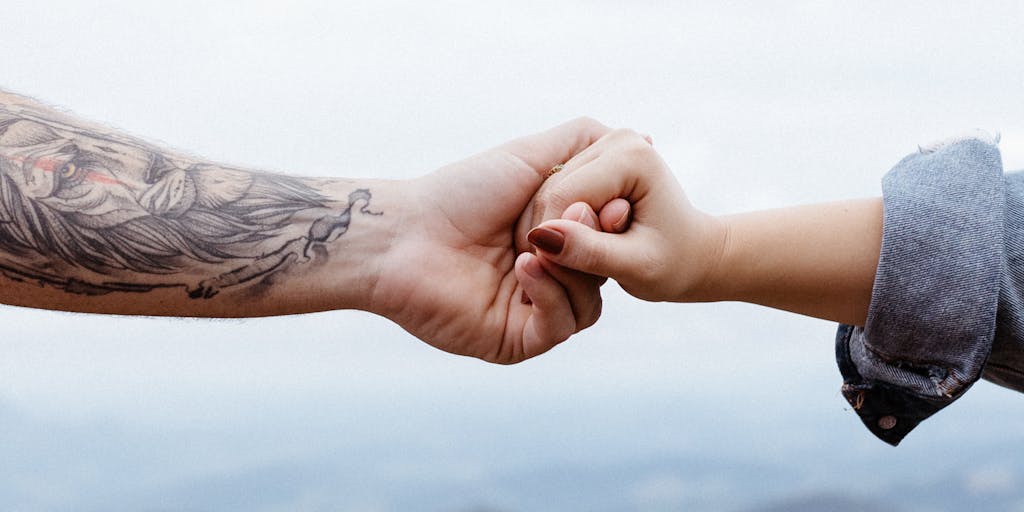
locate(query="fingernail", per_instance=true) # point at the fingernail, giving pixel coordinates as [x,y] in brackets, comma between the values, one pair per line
[547,240]
[620,224]
[583,216]
[533,268]
[586,219]
[525,299]
[648,138]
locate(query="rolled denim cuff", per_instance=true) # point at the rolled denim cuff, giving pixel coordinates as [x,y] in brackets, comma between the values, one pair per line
[933,307]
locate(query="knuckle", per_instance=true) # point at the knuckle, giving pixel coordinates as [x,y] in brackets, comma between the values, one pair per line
[638,150]
[591,316]
[591,256]
[630,146]
[587,123]
[590,128]
[624,135]
[564,335]
[557,198]
[537,201]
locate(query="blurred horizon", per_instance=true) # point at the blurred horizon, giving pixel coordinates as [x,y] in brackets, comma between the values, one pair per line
[700,407]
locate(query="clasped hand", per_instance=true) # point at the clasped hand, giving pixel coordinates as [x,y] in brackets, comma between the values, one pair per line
[498,261]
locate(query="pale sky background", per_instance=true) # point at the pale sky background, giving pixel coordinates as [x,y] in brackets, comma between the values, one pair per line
[657,407]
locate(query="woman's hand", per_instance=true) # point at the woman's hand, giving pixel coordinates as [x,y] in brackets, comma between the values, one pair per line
[818,260]
[670,248]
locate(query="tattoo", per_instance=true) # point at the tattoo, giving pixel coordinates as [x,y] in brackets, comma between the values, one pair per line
[92,213]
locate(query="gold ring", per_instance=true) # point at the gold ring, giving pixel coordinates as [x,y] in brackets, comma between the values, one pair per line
[554,170]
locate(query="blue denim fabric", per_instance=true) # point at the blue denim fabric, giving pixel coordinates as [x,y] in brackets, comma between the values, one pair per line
[946,308]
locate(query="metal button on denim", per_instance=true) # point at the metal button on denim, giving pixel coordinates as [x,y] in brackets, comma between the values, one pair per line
[887,422]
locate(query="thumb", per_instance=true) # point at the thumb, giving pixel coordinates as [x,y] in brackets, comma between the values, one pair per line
[580,247]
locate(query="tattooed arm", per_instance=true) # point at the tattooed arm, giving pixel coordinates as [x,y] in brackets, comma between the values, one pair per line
[96,221]
[92,220]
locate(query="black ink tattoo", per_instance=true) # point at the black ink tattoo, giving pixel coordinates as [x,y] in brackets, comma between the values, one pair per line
[94,213]
[324,230]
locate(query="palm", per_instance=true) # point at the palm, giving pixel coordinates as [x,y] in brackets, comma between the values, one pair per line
[454,282]
[468,294]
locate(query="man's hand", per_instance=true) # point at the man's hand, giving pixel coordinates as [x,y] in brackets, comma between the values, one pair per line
[452,275]
[100,222]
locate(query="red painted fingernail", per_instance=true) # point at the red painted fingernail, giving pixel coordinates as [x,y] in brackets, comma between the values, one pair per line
[547,240]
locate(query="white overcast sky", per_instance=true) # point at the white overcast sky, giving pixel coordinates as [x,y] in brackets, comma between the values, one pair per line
[753,104]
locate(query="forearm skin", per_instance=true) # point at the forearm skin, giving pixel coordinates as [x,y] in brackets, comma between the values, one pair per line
[817,260]
[96,221]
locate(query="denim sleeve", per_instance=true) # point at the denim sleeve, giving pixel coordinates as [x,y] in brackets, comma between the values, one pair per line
[1005,364]
[937,294]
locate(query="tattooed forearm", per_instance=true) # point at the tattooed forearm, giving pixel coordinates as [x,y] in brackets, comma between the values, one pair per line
[325,229]
[91,213]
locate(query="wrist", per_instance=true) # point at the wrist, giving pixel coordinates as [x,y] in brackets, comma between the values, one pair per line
[359,259]
[711,254]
